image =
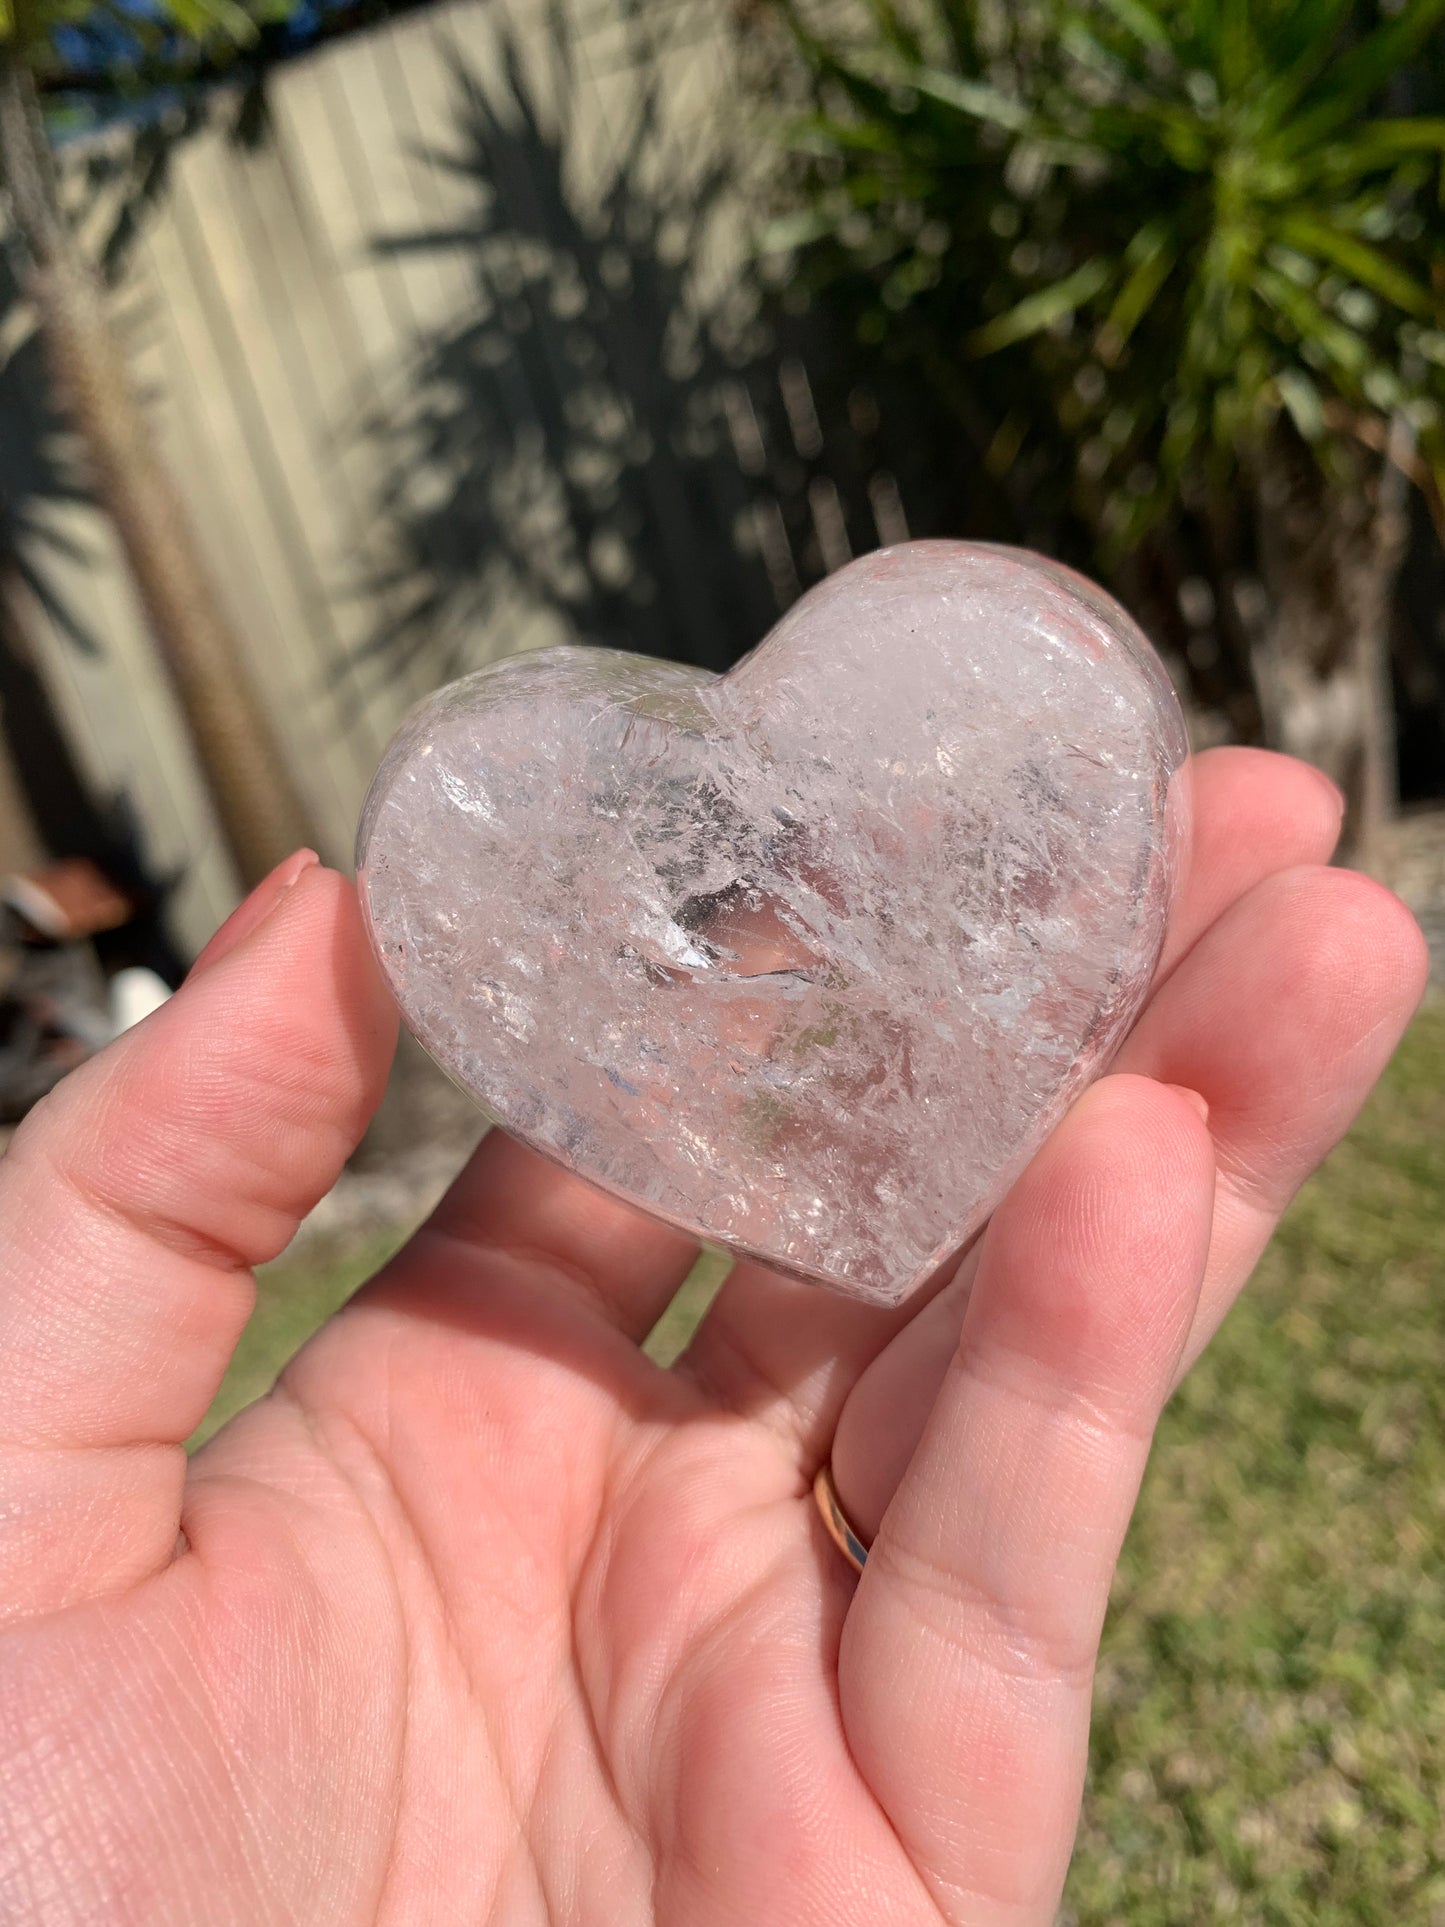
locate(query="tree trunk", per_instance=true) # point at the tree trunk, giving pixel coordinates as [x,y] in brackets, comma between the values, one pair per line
[256,803]
[1329,556]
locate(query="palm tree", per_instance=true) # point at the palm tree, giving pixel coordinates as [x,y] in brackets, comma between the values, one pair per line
[1186,256]
[255,800]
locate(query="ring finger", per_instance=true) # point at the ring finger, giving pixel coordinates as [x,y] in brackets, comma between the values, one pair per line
[1281,1018]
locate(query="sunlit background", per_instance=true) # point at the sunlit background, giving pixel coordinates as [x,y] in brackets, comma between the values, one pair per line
[345,348]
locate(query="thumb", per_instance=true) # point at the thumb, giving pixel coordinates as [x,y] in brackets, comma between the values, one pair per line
[133,1203]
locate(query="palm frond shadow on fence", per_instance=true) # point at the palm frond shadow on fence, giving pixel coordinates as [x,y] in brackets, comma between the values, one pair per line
[605,447]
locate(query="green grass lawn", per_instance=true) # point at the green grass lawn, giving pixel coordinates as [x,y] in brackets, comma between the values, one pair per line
[1269,1742]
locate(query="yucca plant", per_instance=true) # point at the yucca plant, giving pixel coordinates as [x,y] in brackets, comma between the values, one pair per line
[1188,255]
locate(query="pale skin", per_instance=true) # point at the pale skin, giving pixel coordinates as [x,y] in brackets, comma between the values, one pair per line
[481,1616]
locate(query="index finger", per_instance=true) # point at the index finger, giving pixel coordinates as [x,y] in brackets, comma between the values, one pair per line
[1256,812]
[967,1659]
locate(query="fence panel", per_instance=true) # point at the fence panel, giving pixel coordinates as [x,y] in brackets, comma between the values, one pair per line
[458,355]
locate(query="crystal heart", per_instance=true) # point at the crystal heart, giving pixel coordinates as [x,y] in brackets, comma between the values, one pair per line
[807,958]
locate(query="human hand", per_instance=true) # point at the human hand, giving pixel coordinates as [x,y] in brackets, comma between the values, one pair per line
[481,1615]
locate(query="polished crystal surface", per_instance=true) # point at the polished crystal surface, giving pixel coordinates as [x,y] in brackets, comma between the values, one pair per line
[807,958]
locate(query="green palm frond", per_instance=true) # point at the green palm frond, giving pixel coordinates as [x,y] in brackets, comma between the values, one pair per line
[1190,216]
[1041,310]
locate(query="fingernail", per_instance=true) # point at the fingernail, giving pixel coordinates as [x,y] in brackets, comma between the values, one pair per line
[1194,1100]
[1336,794]
[251,914]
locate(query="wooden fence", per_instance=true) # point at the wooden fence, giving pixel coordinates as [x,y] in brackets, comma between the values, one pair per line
[454,349]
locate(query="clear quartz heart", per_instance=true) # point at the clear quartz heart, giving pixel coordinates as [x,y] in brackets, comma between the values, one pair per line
[810,957]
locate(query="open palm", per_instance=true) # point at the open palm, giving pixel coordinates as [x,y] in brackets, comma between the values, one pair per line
[482,1616]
